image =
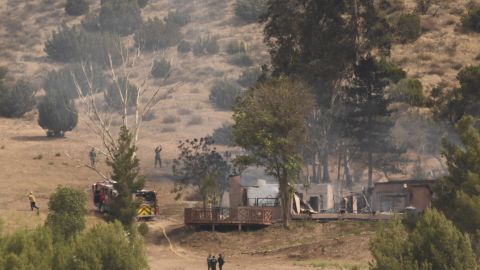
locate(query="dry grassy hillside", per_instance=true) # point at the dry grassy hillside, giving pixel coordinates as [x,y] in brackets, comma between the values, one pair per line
[434,58]
[30,161]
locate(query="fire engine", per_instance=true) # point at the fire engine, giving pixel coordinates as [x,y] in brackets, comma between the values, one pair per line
[146,200]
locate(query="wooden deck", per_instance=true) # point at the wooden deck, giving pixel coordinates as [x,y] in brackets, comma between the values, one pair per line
[228,216]
[348,216]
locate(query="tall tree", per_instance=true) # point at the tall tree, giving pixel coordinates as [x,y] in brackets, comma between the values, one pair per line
[320,41]
[201,166]
[125,171]
[270,123]
[367,118]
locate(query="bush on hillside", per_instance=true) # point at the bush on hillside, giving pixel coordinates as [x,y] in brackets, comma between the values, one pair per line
[236,46]
[249,77]
[184,46]
[90,23]
[223,135]
[57,114]
[241,59]
[142,3]
[156,34]
[75,44]
[250,10]
[76,7]
[161,68]
[205,45]
[423,6]
[122,17]
[178,17]
[63,79]
[66,216]
[112,96]
[223,94]
[408,28]
[408,91]
[472,19]
[17,100]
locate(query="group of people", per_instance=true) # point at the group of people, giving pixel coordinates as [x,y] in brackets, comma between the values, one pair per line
[212,262]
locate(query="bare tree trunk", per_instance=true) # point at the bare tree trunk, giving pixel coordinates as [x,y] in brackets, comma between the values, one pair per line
[326,174]
[339,164]
[284,191]
[348,176]
[370,169]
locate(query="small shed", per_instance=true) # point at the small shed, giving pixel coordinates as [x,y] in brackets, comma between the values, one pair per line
[396,196]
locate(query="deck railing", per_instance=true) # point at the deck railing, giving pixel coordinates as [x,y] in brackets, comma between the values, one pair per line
[223,215]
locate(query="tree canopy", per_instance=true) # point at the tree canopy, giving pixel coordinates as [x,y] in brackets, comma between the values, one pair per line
[270,124]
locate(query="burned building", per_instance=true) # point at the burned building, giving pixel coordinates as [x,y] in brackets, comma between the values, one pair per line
[397,196]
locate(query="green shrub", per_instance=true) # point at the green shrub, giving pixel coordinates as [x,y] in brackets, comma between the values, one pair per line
[113,98]
[156,34]
[161,68]
[223,94]
[17,100]
[434,243]
[76,7]
[423,6]
[236,46]
[223,135]
[63,81]
[170,119]
[178,17]
[408,91]
[91,23]
[67,209]
[57,114]
[75,44]
[122,17]
[241,59]
[472,19]
[184,46]
[142,3]
[408,28]
[205,45]
[143,228]
[250,10]
[168,129]
[249,77]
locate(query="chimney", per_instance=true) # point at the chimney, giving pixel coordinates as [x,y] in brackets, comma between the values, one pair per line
[235,191]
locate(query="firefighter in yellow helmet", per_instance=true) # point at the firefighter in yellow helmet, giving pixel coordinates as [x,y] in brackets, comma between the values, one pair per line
[33,202]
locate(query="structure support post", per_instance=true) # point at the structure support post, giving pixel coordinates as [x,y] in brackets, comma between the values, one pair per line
[213,227]
[239,227]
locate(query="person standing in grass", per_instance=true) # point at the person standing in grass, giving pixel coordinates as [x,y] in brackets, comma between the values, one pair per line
[158,159]
[33,202]
[93,157]
[221,261]
[209,262]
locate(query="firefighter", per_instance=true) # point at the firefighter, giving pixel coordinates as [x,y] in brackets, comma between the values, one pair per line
[33,202]
[158,159]
[209,262]
[221,261]
[214,263]
[93,157]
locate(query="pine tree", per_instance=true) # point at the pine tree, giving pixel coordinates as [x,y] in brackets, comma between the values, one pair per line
[57,114]
[125,171]
[457,194]
[434,244]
